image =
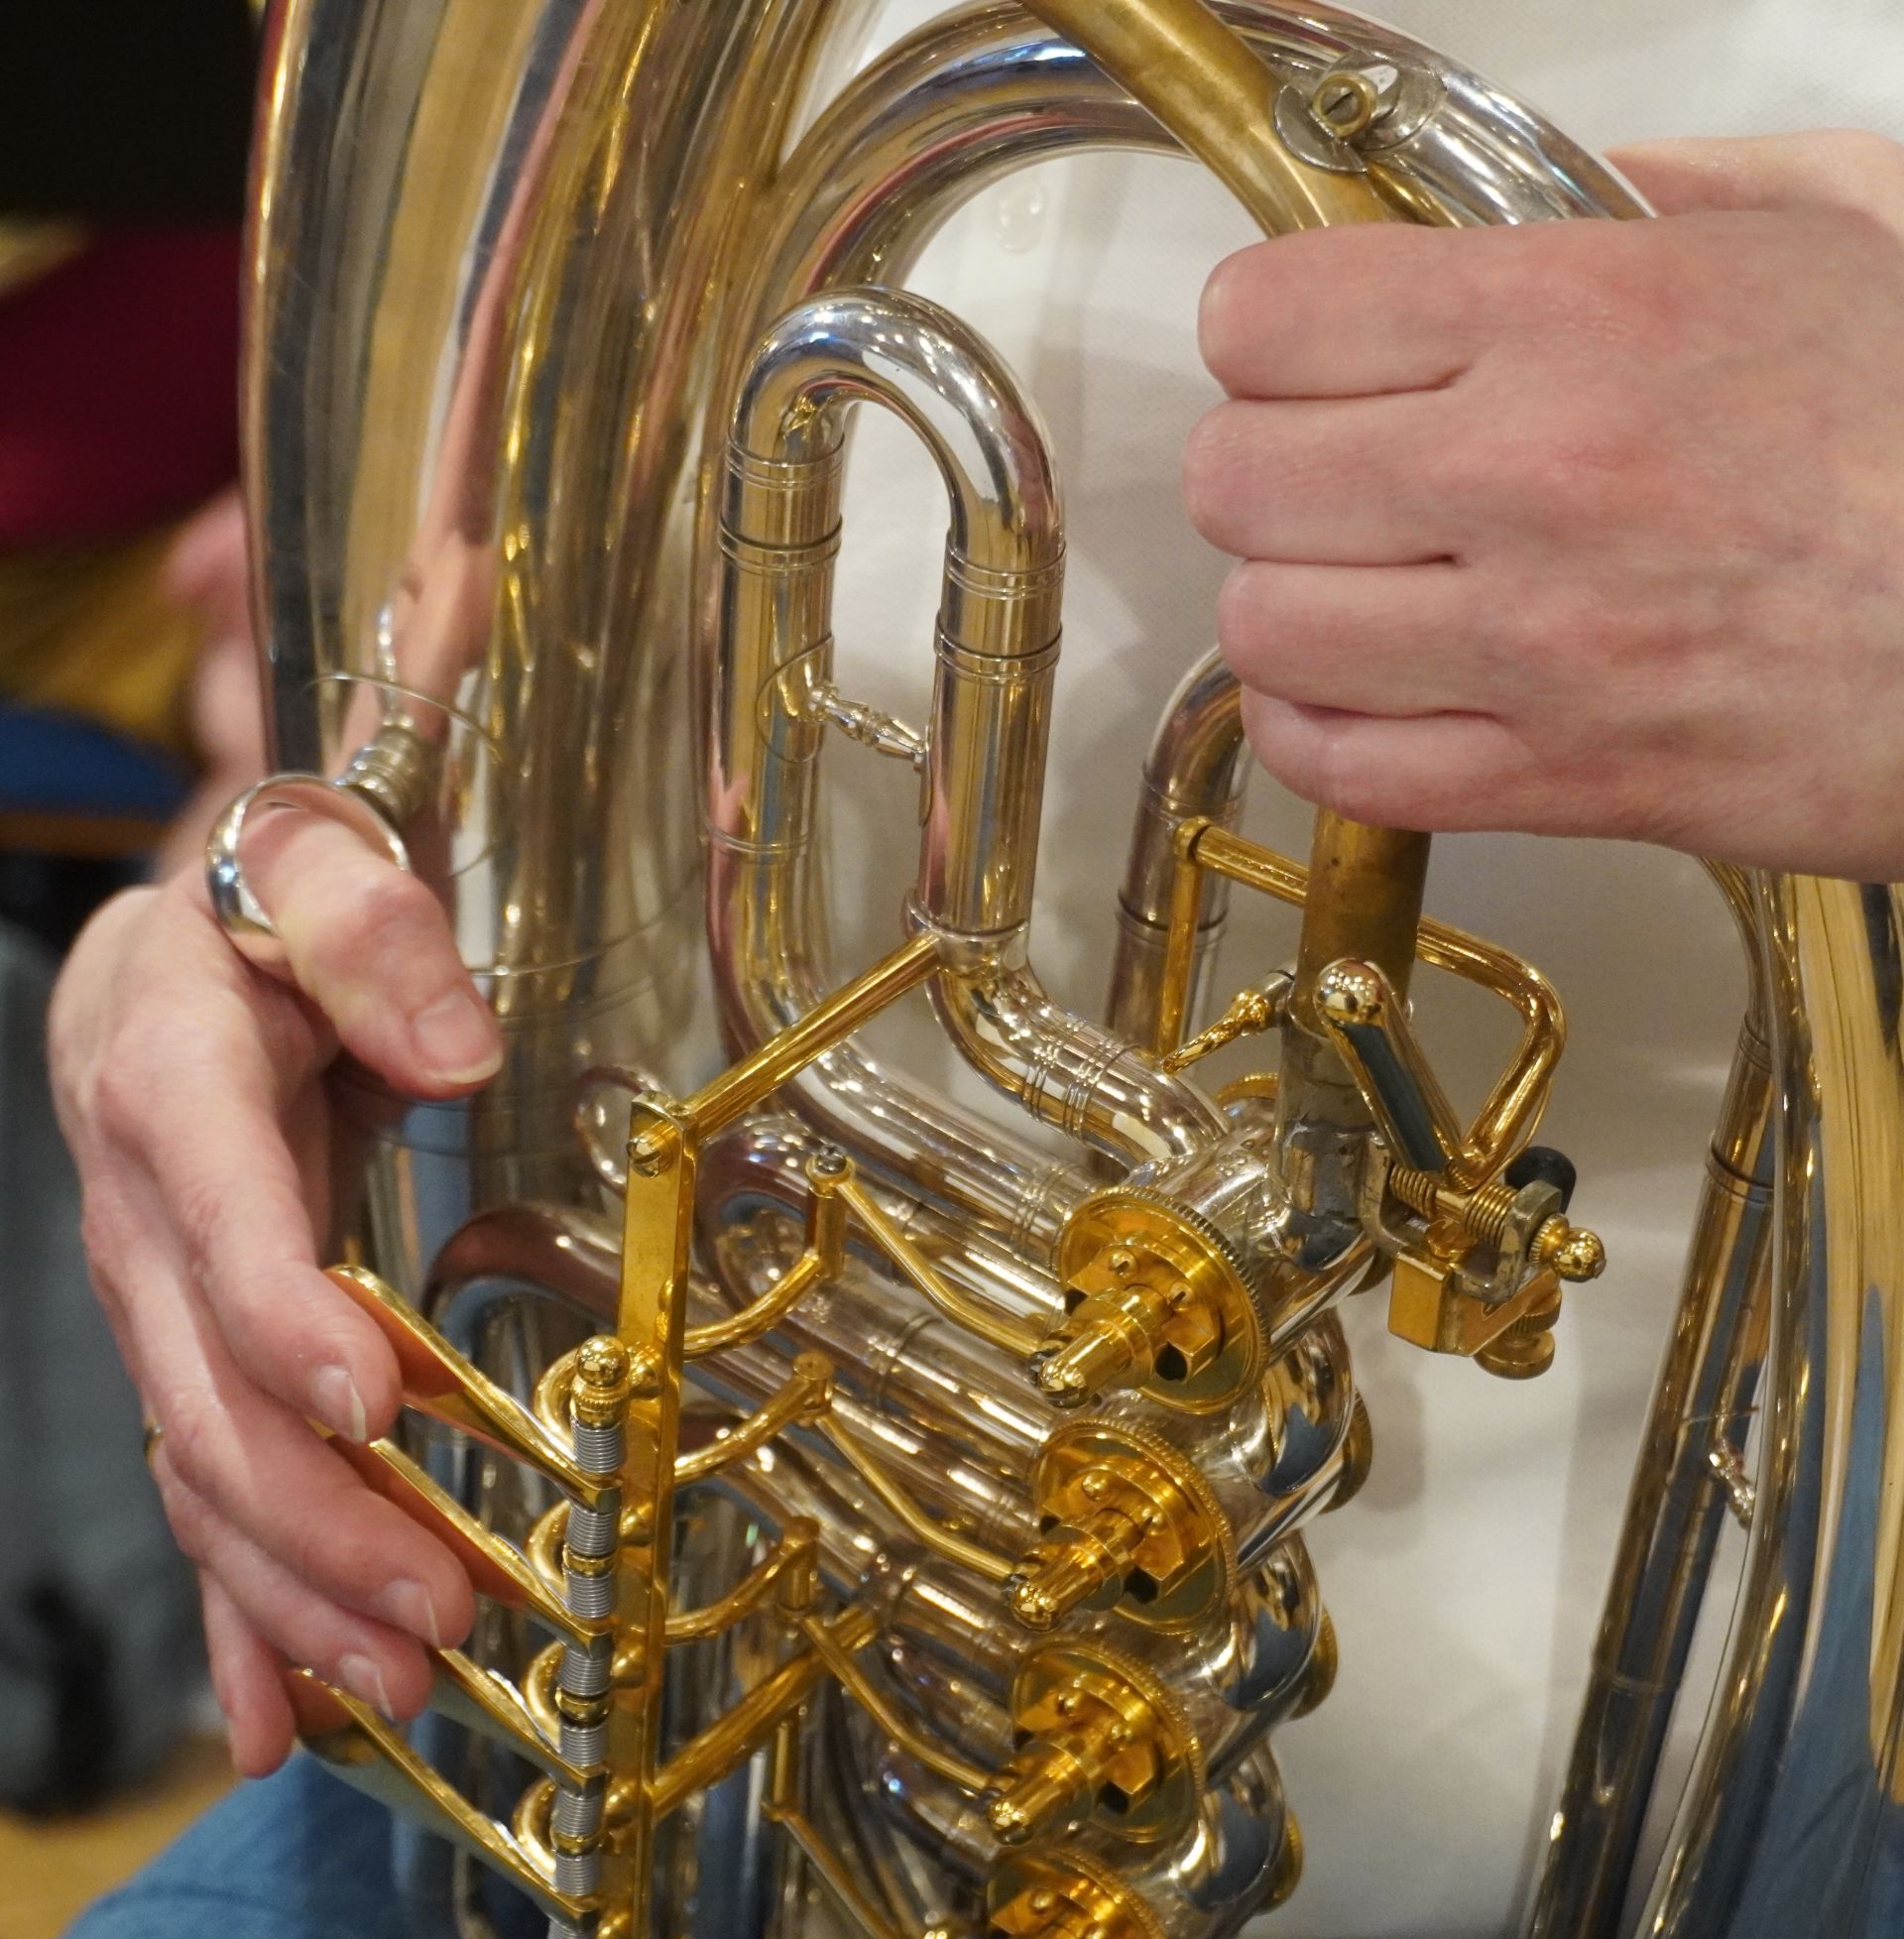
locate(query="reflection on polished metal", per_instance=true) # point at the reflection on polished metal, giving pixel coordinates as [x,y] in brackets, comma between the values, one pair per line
[882,1526]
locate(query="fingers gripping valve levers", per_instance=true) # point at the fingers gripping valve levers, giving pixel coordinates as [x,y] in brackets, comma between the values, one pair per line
[902,1464]
[1120,1566]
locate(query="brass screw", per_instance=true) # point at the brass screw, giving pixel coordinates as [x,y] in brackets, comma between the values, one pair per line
[1573,1252]
[1347,105]
[653,1152]
[1524,1359]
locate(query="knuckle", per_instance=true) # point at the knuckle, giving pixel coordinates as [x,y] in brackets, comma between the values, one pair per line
[197,1207]
[101,1237]
[128,1084]
[1346,781]
[190,1522]
[196,1433]
[297,1549]
[1246,625]
[1582,463]
[346,1551]
[1210,471]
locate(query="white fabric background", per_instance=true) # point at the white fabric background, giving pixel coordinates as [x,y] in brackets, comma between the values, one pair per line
[1467,1580]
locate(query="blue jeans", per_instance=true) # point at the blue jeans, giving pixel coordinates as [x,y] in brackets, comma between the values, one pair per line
[299,1855]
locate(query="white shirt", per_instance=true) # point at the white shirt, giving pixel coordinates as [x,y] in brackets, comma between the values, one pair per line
[1467,1580]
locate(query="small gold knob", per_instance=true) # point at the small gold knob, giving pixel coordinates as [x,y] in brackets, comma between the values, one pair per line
[1576,1254]
[599,1391]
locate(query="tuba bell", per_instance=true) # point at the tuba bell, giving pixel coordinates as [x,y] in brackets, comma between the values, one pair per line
[888,1512]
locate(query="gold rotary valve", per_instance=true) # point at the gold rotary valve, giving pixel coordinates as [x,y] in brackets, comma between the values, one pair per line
[1101,1742]
[1125,1519]
[1155,1298]
[1064,1895]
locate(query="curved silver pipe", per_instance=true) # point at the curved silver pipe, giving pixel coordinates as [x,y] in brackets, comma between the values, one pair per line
[766,1164]
[1695,1443]
[1197,768]
[984,753]
[971,99]
[1794,1818]
[1086,1080]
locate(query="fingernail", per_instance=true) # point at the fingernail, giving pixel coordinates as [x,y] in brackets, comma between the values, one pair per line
[337,1403]
[407,1605]
[365,1681]
[456,1040]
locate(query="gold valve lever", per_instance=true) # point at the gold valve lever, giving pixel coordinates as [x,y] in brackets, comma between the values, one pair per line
[1482,1277]
[442,1382]
[1368,1026]
[370,1754]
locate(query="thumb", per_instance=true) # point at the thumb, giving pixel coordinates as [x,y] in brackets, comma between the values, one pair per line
[371,946]
[1768,174]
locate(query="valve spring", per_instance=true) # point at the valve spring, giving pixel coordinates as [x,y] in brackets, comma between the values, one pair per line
[576,1814]
[591,1534]
[586,1672]
[578,1873]
[585,1744]
[590,1596]
[1485,1212]
[591,1531]
[599,1450]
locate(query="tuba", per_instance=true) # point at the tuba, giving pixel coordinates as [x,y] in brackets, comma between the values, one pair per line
[889,1511]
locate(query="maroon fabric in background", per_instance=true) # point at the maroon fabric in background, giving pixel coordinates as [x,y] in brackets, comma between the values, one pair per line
[119,387]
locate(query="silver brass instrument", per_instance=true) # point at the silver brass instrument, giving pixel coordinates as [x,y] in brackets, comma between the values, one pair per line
[884,1527]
